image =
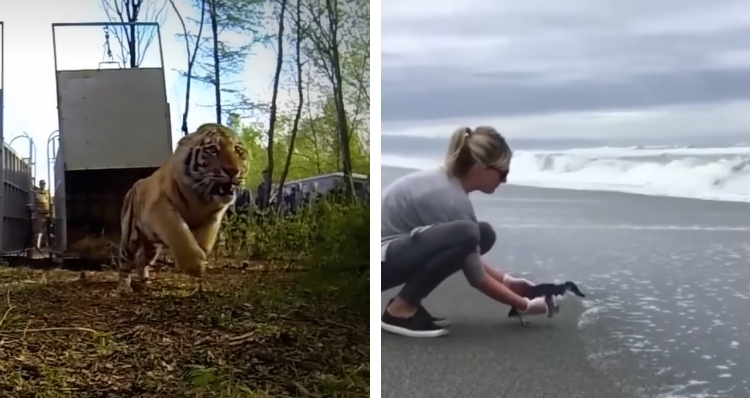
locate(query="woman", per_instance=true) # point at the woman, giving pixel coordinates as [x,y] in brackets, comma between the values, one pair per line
[429,232]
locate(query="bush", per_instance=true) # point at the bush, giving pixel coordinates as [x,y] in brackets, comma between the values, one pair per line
[328,240]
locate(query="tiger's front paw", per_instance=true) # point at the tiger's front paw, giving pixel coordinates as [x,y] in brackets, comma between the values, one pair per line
[124,286]
[144,274]
[195,267]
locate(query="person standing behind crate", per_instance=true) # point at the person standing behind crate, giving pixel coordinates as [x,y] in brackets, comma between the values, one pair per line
[43,211]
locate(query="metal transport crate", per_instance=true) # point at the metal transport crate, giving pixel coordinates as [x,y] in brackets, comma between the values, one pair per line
[114,128]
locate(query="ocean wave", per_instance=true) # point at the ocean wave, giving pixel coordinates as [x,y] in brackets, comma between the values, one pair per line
[702,173]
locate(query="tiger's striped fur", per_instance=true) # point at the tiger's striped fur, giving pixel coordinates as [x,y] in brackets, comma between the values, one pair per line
[182,204]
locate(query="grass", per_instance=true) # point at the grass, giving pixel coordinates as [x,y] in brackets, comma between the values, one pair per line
[250,334]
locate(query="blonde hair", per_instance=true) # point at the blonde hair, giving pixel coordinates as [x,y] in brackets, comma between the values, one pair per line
[483,145]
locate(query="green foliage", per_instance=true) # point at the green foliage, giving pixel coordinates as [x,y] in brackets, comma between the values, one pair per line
[243,25]
[316,149]
[221,51]
[329,239]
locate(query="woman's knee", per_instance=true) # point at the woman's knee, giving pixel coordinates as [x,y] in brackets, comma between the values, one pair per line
[487,236]
[465,232]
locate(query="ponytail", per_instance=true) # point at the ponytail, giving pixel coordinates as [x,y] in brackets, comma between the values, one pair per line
[482,145]
[458,160]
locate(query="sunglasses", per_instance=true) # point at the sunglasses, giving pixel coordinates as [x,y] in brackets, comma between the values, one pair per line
[502,172]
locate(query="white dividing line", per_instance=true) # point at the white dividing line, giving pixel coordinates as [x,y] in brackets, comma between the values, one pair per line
[627,227]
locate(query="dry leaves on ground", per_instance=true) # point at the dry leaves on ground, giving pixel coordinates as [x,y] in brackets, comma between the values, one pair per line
[251,334]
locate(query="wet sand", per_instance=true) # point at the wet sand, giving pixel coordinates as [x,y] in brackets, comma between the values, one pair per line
[667,283]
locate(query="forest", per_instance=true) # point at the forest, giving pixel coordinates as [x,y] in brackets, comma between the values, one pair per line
[285,312]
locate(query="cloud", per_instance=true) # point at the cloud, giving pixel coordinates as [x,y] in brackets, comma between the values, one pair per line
[702,121]
[515,94]
[445,59]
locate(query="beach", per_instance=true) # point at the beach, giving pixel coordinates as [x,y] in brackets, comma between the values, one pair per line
[666,282]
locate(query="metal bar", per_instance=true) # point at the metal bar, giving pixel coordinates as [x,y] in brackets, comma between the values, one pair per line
[2,56]
[32,158]
[59,116]
[2,136]
[51,159]
[22,135]
[32,152]
[68,24]
[12,184]
[59,235]
[103,24]
[161,59]
[54,51]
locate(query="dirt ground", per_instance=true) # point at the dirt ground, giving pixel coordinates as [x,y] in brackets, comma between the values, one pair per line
[250,334]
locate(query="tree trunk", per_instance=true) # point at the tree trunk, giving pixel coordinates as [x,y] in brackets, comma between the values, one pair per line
[132,46]
[338,92]
[190,57]
[272,121]
[217,77]
[298,115]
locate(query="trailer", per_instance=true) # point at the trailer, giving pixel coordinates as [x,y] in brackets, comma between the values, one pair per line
[324,184]
[15,182]
[114,129]
[16,200]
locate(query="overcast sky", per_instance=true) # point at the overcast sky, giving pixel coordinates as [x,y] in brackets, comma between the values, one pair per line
[570,68]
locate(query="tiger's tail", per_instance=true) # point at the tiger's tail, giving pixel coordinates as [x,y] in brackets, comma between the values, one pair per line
[130,235]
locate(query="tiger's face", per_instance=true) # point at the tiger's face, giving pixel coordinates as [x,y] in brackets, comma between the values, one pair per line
[217,162]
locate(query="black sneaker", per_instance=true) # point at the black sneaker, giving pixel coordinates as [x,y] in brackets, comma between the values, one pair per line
[442,322]
[418,325]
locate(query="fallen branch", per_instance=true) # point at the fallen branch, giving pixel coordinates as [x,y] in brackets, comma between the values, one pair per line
[60,329]
[239,340]
[337,324]
[10,307]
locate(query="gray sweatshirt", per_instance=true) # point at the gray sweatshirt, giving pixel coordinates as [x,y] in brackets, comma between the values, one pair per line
[419,200]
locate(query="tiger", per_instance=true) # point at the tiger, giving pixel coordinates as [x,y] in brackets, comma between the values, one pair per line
[182,204]
[161,254]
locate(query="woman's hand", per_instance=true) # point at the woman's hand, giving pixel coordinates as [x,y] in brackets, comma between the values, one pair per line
[519,286]
[536,306]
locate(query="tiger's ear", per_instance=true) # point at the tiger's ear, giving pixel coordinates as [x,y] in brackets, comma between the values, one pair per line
[190,138]
[209,127]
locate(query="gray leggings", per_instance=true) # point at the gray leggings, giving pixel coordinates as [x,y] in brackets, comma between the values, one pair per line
[423,261]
